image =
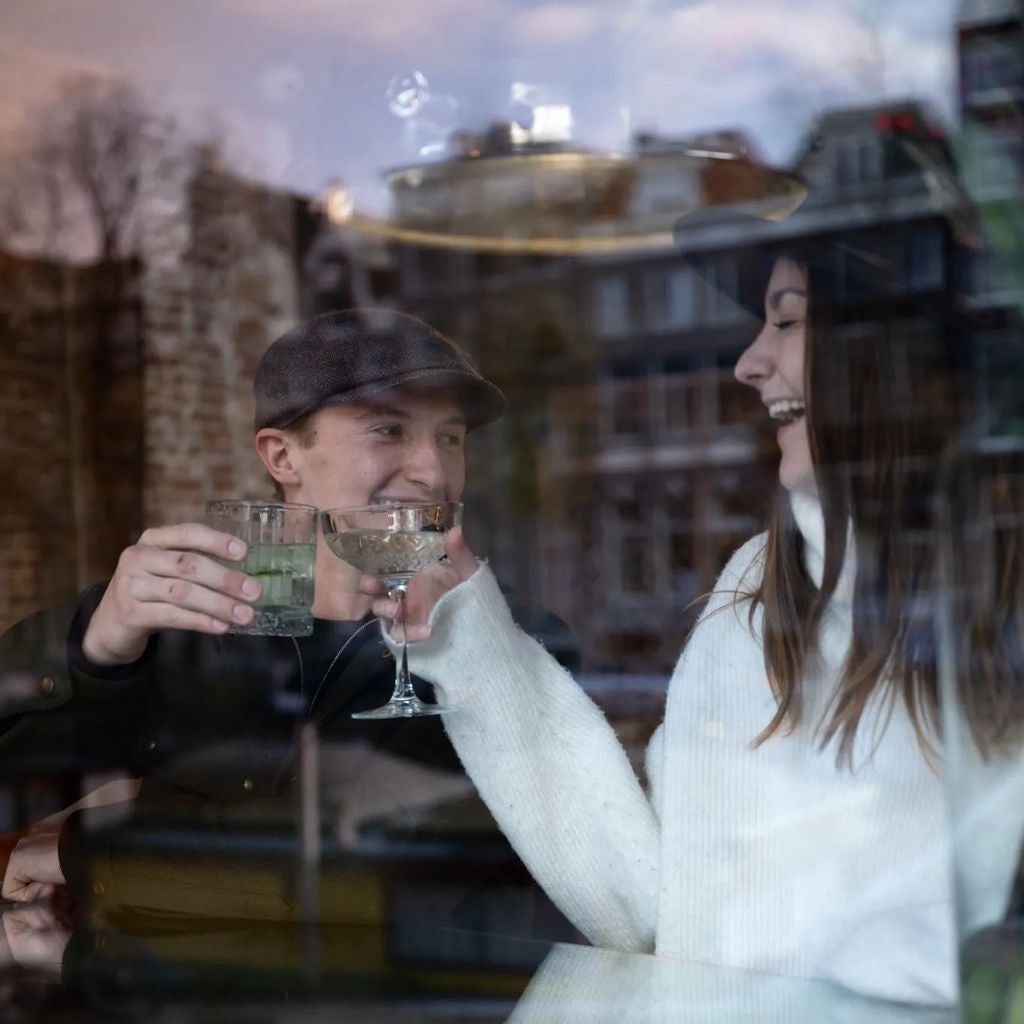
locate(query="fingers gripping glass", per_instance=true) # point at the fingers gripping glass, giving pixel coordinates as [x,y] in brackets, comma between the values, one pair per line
[393,542]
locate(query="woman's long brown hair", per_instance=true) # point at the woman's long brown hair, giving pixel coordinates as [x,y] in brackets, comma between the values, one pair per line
[888,393]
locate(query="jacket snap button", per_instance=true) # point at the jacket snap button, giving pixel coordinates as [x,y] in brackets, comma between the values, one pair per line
[247,785]
[47,685]
[97,888]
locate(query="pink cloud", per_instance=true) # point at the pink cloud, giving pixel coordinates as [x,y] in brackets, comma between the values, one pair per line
[557,25]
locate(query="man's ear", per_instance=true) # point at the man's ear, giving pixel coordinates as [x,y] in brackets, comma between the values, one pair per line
[277,450]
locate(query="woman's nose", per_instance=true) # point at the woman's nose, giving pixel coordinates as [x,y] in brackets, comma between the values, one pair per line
[757,362]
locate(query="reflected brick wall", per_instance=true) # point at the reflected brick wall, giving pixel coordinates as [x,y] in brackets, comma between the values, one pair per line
[35,458]
[125,390]
[210,315]
[70,413]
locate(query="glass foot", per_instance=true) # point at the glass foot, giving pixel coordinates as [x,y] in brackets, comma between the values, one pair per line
[403,708]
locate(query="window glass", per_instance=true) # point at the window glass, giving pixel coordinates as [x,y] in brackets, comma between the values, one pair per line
[612,306]
[621,409]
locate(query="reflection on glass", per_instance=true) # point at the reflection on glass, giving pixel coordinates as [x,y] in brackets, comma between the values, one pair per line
[981,580]
[515,178]
[407,94]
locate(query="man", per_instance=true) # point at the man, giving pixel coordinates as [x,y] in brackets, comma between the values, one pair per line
[352,409]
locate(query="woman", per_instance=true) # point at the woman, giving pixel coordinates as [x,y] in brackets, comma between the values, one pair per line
[795,816]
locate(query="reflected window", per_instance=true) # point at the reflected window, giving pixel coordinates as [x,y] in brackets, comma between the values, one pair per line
[433,267]
[681,402]
[993,64]
[627,401]
[629,540]
[632,563]
[670,298]
[581,439]
[722,282]
[922,255]
[991,276]
[611,306]
[678,516]
[998,156]
[731,501]
[856,161]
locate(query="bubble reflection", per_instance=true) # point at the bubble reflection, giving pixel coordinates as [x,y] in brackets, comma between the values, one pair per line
[407,94]
[429,117]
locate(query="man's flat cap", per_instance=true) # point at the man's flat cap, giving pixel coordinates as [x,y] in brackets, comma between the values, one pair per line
[354,355]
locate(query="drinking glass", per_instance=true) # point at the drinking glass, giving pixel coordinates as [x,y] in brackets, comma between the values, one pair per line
[280,543]
[393,542]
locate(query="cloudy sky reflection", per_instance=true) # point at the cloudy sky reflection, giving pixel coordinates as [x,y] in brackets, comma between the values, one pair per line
[298,90]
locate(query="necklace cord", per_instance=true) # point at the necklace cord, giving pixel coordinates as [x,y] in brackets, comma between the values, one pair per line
[330,667]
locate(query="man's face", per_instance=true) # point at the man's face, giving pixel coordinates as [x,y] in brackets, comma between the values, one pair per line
[405,445]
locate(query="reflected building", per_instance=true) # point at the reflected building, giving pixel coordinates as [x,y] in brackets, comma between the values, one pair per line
[991,72]
[128,394]
[340,269]
[603,357]
[72,451]
[632,463]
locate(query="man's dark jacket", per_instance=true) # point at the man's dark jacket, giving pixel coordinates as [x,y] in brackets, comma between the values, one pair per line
[210,725]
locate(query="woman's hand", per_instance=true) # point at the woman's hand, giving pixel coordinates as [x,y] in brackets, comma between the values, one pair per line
[426,588]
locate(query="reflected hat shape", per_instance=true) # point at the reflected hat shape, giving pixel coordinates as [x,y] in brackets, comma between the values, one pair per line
[559,201]
[350,356]
[848,266]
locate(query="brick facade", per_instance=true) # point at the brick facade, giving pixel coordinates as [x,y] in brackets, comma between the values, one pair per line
[70,402]
[209,316]
[125,391]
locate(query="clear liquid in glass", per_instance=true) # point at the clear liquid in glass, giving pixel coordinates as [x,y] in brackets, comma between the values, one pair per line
[285,572]
[393,555]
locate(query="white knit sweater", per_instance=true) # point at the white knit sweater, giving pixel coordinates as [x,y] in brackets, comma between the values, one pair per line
[772,857]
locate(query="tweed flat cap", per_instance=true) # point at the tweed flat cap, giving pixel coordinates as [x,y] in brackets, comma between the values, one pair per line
[352,355]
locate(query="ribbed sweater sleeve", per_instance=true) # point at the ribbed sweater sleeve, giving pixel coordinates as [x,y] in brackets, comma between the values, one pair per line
[548,765]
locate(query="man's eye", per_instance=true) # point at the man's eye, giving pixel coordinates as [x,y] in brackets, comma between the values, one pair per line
[389,430]
[452,440]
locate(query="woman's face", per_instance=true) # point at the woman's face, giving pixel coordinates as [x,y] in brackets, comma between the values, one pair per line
[774,365]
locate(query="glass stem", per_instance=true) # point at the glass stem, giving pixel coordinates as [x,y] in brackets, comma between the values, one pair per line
[403,681]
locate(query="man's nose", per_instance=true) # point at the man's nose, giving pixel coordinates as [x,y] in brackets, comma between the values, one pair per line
[757,363]
[424,466]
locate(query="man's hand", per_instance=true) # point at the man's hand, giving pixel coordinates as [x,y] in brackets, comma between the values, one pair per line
[33,871]
[426,588]
[169,581]
[34,937]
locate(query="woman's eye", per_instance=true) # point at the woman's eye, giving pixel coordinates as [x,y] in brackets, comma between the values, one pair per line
[452,440]
[784,325]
